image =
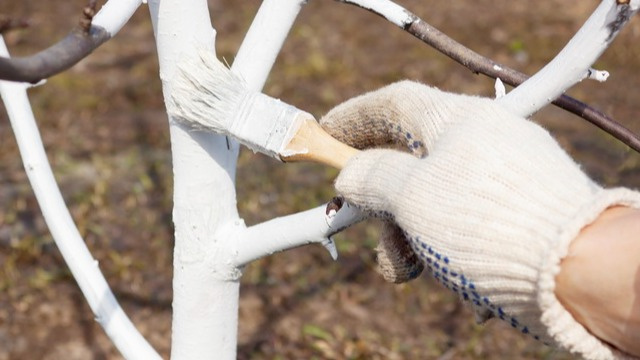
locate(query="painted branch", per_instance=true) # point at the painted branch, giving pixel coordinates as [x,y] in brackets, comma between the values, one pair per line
[573,62]
[74,47]
[264,40]
[307,227]
[254,60]
[83,266]
[483,65]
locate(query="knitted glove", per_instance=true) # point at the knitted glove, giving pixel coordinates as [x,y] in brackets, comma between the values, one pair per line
[396,260]
[490,211]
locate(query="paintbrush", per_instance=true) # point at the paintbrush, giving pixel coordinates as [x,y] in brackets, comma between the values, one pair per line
[207,95]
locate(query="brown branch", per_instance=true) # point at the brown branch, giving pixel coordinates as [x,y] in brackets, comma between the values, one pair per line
[483,65]
[79,43]
[88,13]
[480,64]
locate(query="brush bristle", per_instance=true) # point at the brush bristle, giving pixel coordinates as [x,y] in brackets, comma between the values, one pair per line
[207,96]
[204,93]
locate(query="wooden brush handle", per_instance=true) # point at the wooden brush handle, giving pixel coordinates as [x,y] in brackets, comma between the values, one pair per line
[312,143]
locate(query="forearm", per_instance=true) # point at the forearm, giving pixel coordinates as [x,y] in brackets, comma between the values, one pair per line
[599,280]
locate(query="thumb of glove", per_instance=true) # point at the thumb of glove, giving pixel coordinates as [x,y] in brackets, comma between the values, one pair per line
[397,263]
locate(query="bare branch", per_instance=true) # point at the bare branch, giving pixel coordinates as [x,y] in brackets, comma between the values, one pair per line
[93,31]
[55,59]
[483,65]
[74,47]
[88,13]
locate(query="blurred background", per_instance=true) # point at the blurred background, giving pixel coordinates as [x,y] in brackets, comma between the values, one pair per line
[104,126]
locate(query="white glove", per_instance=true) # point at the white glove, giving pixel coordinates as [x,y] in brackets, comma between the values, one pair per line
[490,211]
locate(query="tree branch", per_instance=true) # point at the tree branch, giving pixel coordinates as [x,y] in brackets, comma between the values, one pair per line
[483,65]
[83,266]
[312,226]
[80,42]
[55,59]
[573,62]
[88,13]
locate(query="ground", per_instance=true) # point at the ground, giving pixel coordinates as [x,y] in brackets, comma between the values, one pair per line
[105,130]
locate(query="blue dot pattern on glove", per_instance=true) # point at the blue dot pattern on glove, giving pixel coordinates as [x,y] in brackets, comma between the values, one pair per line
[440,266]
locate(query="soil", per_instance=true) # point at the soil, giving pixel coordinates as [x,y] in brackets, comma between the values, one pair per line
[105,130]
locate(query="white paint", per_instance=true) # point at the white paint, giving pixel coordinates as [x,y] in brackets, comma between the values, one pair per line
[598,75]
[205,287]
[497,67]
[569,66]
[39,83]
[500,89]
[264,40]
[330,246]
[114,14]
[83,267]
[285,153]
[265,124]
[307,227]
[390,10]
[253,62]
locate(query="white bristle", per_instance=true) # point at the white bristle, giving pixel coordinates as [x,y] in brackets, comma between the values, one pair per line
[204,92]
[207,96]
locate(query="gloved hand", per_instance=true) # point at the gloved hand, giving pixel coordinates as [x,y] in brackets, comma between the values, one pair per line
[490,211]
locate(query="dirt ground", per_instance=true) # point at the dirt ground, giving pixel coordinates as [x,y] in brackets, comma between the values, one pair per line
[105,130]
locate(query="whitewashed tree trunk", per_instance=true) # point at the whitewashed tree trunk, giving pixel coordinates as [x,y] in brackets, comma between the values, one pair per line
[206,275]
[205,300]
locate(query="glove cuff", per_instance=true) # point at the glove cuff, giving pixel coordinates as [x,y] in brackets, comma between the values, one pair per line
[561,326]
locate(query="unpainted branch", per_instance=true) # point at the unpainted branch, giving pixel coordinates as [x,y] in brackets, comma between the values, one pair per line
[88,13]
[482,65]
[55,59]
[79,43]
